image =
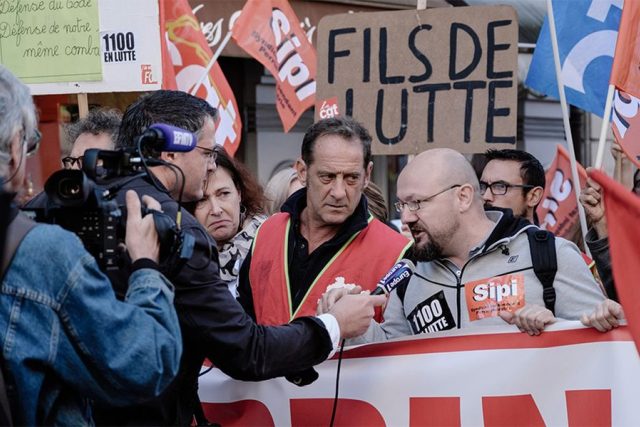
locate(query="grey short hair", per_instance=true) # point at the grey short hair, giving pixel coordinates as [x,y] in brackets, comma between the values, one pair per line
[17,112]
[99,120]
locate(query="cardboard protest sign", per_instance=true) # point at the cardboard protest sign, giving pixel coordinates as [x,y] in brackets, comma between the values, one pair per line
[421,79]
[54,41]
[124,46]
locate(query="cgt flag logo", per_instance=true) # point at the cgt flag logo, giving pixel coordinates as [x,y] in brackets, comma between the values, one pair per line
[328,108]
[487,297]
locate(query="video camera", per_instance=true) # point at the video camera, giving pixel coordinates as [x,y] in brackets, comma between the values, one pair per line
[83,201]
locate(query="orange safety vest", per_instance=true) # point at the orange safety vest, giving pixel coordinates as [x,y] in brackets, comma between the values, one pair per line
[362,260]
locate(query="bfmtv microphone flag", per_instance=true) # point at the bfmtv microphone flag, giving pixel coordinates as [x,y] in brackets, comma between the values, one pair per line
[587,32]
[269,31]
[186,55]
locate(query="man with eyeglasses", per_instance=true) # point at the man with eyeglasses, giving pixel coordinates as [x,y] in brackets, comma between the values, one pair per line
[513,179]
[213,324]
[474,266]
[98,130]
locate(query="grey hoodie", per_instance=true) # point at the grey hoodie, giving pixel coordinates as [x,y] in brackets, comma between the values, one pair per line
[435,298]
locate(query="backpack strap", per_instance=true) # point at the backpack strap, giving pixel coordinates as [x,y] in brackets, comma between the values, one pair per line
[17,229]
[545,263]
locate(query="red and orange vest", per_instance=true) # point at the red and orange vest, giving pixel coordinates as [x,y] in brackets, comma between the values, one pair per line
[362,260]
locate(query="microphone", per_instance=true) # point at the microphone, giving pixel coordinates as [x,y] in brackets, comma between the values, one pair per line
[164,137]
[399,273]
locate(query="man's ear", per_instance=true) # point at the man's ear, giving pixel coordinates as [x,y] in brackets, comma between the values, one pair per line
[367,174]
[168,156]
[465,195]
[534,196]
[301,168]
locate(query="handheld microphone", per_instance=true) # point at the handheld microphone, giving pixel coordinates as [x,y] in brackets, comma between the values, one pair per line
[399,273]
[164,137]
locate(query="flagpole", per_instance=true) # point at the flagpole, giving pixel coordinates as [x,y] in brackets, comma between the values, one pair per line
[567,127]
[605,127]
[213,60]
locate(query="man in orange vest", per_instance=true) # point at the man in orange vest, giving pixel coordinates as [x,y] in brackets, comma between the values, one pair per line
[324,234]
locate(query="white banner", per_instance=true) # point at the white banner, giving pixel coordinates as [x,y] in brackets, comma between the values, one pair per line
[569,375]
[129,50]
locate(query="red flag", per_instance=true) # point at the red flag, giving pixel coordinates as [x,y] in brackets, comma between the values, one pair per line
[622,213]
[558,211]
[269,30]
[186,55]
[626,124]
[625,73]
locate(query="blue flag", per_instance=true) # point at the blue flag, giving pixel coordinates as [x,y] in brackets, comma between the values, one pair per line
[587,32]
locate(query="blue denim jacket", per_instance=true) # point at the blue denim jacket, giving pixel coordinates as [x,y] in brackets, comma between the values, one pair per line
[66,339]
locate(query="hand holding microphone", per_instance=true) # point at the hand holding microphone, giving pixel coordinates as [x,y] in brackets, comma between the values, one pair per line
[400,273]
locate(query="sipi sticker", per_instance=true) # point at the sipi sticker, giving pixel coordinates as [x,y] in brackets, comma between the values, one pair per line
[487,297]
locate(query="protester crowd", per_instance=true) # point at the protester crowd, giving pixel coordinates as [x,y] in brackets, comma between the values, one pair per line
[275,278]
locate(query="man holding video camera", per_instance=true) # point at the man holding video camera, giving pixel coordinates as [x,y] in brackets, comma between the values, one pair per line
[65,338]
[213,324]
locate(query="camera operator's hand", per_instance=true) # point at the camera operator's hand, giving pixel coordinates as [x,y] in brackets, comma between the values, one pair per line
[141,238]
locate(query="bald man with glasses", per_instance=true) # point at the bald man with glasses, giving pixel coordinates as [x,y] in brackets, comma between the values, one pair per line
[474,266]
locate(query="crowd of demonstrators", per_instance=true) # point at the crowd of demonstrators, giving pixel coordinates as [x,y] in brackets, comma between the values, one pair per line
[281,185]
[471,238]
[213,324]
[324,234]
[99,129]
[66,339]
[231,210]
[462,249]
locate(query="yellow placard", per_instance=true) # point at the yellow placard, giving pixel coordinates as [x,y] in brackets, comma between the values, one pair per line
[43,41]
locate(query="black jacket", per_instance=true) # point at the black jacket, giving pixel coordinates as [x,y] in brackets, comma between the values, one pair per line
[215,326]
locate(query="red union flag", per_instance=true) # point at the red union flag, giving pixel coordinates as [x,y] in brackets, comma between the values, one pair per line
[626,124]
[558,211]
[625,73]
[269,31]
[186,55]
[622,212]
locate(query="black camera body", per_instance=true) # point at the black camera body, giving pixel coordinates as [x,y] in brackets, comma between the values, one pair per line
[75,203]
[83,202]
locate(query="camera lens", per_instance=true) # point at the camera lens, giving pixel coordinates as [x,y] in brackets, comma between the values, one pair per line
[69,189]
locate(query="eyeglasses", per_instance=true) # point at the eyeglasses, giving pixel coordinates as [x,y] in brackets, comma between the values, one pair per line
[500,188]
[415,205]
[33,143]
[70,162]
[210,154]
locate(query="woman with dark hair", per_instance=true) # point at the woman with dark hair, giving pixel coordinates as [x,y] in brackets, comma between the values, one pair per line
[231,210]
